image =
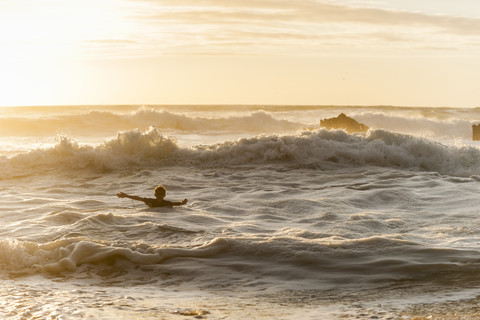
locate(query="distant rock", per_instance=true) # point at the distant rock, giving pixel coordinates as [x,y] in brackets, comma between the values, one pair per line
[343,122]
[476,132]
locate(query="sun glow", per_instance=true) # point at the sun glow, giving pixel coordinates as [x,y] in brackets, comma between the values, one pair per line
[238,52]
[36,30]
[37,39]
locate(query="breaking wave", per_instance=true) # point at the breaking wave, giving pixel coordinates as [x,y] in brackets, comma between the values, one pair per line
[106,123]
[97,122]
[330,260]
[310,149]
[23,257]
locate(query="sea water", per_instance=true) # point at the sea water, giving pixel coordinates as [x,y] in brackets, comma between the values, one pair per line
[284,220]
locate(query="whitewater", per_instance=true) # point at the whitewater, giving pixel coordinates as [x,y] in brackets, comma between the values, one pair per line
[285,220]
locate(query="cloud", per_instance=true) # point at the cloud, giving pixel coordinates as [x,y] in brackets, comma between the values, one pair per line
[272,27]
[307,11]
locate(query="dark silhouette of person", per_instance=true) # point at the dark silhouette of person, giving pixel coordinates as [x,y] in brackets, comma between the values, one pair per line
[159,201]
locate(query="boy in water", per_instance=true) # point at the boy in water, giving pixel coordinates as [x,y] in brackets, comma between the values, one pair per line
[160,193]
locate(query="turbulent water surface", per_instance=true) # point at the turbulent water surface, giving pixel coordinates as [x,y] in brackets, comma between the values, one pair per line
[284,221]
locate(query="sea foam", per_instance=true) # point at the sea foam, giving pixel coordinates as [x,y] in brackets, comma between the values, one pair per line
[311,149]
[332,261]
[25,257]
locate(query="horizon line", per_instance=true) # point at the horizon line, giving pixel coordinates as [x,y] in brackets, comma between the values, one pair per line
[233,105]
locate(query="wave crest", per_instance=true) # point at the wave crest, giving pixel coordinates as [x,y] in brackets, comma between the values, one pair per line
[24,257]
[101,123]
[311,149]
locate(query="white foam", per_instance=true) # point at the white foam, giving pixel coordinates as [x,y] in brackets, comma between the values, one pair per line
[24,257]
[136,149]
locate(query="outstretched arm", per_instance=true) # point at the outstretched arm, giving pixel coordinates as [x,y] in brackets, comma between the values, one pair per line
[178,203]
[124,195]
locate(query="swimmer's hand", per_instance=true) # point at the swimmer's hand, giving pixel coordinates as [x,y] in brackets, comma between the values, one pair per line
[121,195]
[184,201]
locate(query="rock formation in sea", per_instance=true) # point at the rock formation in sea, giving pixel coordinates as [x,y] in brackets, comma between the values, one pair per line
[343,122]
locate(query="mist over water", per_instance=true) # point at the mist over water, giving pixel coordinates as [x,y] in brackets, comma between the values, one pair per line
[284,219]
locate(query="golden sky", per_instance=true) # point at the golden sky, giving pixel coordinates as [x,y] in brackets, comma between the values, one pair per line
[355,52]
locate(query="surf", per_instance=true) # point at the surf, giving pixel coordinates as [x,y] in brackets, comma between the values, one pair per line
[318,149]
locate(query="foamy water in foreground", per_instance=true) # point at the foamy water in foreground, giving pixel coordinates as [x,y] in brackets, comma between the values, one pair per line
[282,222]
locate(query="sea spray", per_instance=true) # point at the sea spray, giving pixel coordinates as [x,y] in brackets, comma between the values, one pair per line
[102,122]
[419,126]
[105,123]
[311,149]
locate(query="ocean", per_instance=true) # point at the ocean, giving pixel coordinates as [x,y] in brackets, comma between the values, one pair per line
[284,220]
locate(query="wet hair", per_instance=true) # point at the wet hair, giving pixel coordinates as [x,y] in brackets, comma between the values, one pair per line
[160,190]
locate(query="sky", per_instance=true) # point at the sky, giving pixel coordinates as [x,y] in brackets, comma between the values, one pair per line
[295,52]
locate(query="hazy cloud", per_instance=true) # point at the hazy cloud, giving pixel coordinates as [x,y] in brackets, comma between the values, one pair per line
[308,11]
[258,27]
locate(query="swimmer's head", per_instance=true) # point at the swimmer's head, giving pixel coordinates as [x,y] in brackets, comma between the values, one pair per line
[160,192]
